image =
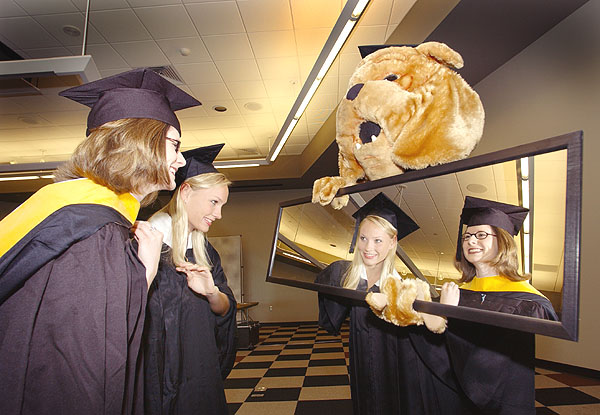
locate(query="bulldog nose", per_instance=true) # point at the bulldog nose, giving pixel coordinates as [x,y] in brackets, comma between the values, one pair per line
[368,129]
[353,92]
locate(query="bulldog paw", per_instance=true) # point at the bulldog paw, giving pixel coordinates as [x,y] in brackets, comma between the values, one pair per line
[325,189]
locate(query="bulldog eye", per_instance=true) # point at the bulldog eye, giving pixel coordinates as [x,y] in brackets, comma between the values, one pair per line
[391,77]
[353,92]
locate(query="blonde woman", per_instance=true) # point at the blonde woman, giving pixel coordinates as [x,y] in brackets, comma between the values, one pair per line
[189,338]
[73,284]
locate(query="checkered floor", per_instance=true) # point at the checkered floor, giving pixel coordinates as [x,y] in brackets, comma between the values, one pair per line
[301,369]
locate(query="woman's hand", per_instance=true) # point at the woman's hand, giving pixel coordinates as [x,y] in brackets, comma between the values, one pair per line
[149,246]
[450,294]
[199,279]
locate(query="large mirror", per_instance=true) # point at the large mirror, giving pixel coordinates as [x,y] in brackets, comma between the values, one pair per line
[544,176]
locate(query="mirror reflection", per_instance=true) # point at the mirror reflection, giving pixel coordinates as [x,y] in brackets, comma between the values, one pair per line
[313,236]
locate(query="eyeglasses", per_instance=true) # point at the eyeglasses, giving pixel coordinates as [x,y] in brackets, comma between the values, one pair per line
[176,143]
[479,235]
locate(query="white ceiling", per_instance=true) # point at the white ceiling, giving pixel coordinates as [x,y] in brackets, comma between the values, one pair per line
[251,56]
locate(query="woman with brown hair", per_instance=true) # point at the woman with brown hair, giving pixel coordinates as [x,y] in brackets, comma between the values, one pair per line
[73,284]
[494,365]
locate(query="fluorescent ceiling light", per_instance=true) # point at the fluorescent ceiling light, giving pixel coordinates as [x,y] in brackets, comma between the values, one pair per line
[81,66]
[15,178]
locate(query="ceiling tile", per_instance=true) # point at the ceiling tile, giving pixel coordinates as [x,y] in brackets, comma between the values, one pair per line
[142,3]
[216,18]
[239,70]
[304,16]
[173,48]
[248,89]
[228,47]
[101,5]
[265,15]
[66,117]
[105,57]
[279,68]
[119,25]
[198,111]
[26,33]
[138,54]
[278,88]
[166,22]
[365,35]
[377,13]
[54,24]
[273,44]
[211,92]
[8,8]
[311,41]
[349,62]
[260,120]
[199,73]
[399,10]
[34,7]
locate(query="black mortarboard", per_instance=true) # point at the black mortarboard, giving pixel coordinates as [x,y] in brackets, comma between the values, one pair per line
[478,211]
[140,93]
[366,50]
[382,206]
[198,161]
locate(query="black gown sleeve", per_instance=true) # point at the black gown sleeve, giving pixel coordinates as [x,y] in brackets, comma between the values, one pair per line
[333,310]
[520,303]
[70,337]
[226,326]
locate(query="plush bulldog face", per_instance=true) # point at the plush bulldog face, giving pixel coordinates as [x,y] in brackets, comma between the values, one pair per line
[398,105]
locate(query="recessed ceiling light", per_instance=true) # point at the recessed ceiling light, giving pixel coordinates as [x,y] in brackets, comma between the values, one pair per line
[220,108]
[253,106]
[476,188]
[72,31]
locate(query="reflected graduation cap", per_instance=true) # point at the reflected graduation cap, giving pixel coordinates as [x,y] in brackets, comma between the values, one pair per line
[198,161]
[382,206]
[478,211]
[140,93]
[366,50]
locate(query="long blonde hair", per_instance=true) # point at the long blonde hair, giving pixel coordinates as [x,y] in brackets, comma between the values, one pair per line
[506,261]
[125,156]
[179,220]
[357,266]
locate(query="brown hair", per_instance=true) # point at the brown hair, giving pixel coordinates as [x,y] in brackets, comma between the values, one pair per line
[125,155]
[505,262]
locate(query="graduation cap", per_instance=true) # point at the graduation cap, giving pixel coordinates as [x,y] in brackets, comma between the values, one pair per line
[478,211]
[366,50]
[382,206]
[140,93]
[198,161]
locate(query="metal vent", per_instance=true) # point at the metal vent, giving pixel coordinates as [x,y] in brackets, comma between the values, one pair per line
[168,72]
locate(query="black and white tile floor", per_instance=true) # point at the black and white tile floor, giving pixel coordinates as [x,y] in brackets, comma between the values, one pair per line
[300,369]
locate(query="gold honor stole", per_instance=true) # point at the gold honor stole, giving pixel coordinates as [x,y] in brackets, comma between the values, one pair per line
[55,196]
[499,283]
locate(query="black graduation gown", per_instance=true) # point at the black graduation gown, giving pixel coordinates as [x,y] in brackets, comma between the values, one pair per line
[495,365]
[521,303]
[188,349]
[388,374]
[71,317]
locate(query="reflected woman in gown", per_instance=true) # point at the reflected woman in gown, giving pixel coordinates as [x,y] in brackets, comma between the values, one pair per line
[494,365]
[387,373]
[487,257]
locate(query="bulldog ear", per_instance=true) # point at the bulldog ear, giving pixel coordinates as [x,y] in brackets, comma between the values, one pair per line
[442,53]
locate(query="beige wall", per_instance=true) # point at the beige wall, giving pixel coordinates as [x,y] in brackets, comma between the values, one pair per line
[253,215]
[549,89]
